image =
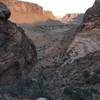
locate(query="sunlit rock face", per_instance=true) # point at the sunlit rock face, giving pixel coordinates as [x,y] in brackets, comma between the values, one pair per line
[24,10]
[17,53]
[87,38]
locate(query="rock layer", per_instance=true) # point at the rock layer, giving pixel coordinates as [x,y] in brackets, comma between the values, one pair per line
[24,10]
[17,52]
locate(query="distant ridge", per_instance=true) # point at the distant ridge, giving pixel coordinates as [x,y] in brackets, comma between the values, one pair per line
[76,17]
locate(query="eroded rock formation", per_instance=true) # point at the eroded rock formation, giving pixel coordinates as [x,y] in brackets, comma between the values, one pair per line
[17,53]
[24,10]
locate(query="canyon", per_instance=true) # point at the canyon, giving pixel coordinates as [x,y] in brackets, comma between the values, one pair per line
[58,60]
[67,54]
[34,13]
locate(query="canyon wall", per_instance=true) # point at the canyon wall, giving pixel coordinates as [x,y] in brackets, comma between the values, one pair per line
[25,12]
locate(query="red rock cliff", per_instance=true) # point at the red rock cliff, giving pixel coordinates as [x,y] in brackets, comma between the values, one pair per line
[25,12]
[49,14]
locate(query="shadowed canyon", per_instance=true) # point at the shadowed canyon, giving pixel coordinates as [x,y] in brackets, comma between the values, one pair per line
[43,58]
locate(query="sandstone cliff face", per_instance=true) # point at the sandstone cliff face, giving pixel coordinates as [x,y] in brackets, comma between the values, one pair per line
[49,15]
[23,10]
[17,52]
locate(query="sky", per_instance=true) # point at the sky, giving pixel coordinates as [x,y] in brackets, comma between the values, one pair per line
[62,7]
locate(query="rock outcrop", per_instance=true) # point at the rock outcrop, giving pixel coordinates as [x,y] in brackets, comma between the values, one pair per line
[17,53]
[24,10]
[4,12]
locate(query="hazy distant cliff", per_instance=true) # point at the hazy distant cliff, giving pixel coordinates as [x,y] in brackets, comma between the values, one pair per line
[24,12]
[73,17]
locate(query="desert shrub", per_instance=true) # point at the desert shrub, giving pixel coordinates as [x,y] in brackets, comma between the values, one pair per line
[79,93]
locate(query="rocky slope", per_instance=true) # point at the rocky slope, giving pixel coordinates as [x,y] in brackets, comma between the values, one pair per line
[51,38]
[23,10]
[17,55]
